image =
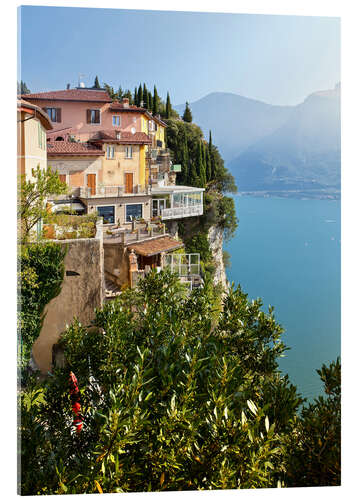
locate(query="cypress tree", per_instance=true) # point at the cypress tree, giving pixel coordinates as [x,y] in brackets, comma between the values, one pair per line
[136,96]
[140,95]
[145,96]
[185,161]
[120,93]
[187,116]
[127,94]
[208,164]
[211,157]
[150,101]
[200,168]
[168,107]
[96,83]
[155,104]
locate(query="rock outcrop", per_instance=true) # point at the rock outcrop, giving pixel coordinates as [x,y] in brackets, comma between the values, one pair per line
[215,239]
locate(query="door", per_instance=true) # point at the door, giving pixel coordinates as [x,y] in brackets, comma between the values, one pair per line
[129,183]
[157,206]
[91,183]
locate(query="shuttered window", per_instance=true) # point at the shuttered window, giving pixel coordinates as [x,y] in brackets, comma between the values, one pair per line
[93,115]
[54,114]
[129,152]
[110,152]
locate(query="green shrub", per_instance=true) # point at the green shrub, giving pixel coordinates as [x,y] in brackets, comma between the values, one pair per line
[171,400]
[40,276]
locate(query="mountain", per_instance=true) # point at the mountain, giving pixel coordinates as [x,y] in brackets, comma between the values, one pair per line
[303,154]
[276,148]
[236,122]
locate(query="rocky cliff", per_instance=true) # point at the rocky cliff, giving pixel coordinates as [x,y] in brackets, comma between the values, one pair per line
[215,239]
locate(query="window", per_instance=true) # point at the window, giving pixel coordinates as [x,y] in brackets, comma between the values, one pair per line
[134,119]
[54,114]
[129,152]
[107,213]
[116,121]
[93,115]
[110,152]
[41,137]
[133,212]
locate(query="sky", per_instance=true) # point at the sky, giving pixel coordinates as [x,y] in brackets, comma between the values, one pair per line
[274,59]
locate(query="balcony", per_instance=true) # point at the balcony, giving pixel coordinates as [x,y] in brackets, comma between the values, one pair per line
[110,191]
[181,201]
[181,212]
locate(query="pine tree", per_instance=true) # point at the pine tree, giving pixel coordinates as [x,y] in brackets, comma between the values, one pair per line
[140,95]
[96,83]
[187,116]
[168,110]
[155,105]
[145,96]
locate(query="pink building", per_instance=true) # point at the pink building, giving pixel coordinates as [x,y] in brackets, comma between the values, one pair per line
[82,112]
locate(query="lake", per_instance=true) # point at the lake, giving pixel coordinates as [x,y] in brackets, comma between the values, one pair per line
[288,252]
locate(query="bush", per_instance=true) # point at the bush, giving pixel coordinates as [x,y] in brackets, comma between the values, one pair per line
[169,401]
[40,276]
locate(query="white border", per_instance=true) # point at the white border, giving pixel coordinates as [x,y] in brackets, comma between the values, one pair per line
[349,86]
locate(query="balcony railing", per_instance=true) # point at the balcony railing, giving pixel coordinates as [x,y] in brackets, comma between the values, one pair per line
[109,191]
[187,264]
[180,212]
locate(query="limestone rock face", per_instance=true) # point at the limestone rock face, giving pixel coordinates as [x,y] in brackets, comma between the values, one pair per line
[215,239]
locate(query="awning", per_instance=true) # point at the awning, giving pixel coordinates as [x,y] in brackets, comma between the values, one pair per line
[149,248]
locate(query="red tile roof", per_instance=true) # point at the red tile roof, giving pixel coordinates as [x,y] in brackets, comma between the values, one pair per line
[23,105]
[149,248]
[86,95]
[58,148]
[125,137]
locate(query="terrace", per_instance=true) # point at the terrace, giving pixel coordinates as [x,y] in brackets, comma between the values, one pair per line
[183,201]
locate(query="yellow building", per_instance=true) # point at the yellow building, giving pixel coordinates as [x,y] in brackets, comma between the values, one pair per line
[32,124]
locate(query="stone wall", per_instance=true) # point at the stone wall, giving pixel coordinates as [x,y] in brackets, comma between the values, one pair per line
[82,291]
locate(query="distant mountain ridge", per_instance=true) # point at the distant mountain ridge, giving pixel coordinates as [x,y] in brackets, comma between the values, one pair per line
[276,148]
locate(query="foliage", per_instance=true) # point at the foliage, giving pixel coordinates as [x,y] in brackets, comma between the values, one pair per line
[22,88]
[33,196]
[40,276]
[96,83]
[171,400]
[187,115]
[71,226]
[315,445]
[226,216]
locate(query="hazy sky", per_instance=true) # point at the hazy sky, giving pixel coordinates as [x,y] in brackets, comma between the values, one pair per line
[276,59]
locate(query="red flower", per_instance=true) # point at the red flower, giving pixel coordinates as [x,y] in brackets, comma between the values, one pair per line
[75,400]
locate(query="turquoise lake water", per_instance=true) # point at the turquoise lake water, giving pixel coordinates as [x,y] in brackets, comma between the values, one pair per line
[288,252]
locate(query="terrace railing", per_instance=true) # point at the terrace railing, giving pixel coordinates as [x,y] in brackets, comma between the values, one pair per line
[181,212]
[109,191]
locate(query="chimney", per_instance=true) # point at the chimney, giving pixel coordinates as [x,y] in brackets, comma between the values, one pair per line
[126,102]
[141,104]
[68,86]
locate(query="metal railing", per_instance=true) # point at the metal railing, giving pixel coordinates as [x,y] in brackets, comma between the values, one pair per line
[109,191]
[180,212]
[184,264]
